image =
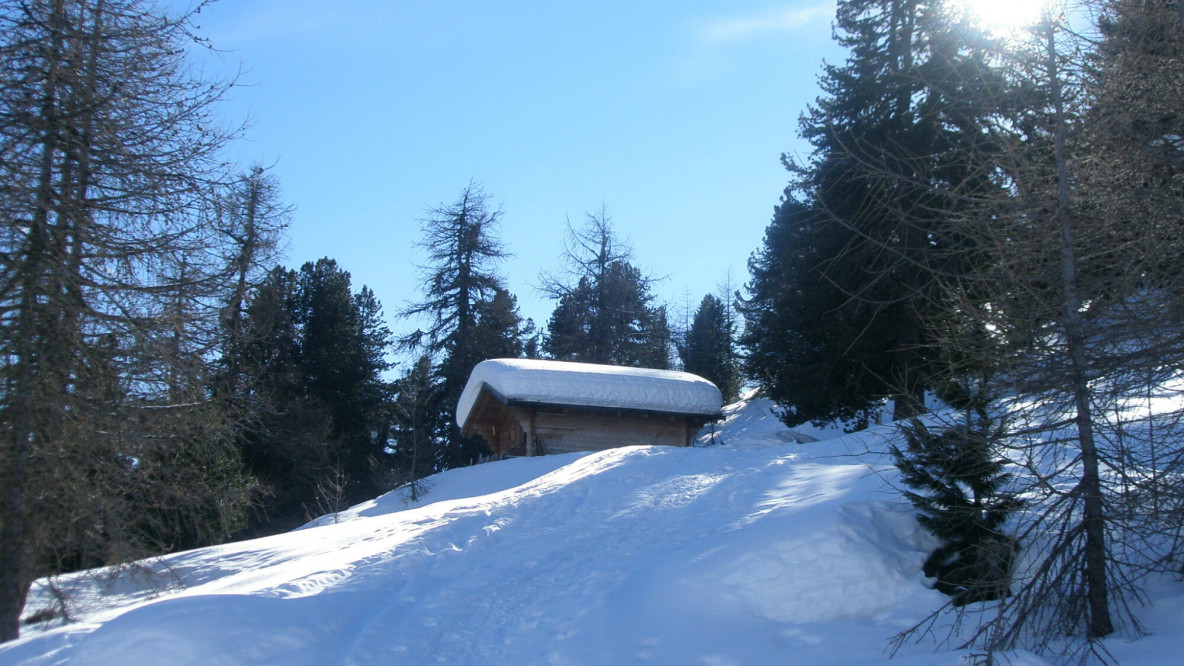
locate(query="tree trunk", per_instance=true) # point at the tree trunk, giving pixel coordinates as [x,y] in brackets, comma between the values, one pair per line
[13,577]
[1090,488]
[909,403]
[26,341]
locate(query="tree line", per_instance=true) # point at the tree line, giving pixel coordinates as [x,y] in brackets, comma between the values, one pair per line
[990,222]
[995,223]
[167,384]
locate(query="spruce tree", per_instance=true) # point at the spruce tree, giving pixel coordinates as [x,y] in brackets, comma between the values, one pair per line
[897,146]
[959,486]
[316,351]
[654,348]
[1133,176]
[499,329]
[797,335]
[567,329]
[605,311]
[414,425]
[342,350]
[708,349]
[283,443]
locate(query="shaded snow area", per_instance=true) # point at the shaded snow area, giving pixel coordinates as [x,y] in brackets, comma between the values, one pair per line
[590,385]
[756,550]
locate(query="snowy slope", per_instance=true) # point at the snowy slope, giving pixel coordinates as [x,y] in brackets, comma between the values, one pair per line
[756,551]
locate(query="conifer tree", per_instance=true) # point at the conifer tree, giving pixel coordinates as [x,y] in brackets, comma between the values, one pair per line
[316,352]
[797,336]
[605,312]
[415,424]
[654,350]
[107,148]
[1134,174]
[466,306]
[343,347]
[959,488]
[1079,312]
[567,330]
[708,349]
[898,145]
[499,330]
[283,443]
[252,218]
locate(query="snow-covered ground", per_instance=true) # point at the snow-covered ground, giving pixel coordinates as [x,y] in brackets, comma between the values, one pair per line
[756,550]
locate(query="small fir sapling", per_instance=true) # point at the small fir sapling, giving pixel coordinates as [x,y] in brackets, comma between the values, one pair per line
[958,486]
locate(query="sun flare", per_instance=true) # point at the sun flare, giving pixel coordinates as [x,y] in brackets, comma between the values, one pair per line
[1005,16]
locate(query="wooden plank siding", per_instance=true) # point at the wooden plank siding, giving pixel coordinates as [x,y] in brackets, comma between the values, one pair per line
[518,429]
[573,430]
[498,425]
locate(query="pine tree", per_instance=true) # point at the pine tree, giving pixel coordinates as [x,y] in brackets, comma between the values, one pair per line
[343,345]
[415,425]
[1133,177]
[107,149]
[898,145]
[316,351]
[654,349]
[605,312]
[800,340]
[708,349]
[499,330]
[283,444]
[466,307]
[959,488]
[567,330]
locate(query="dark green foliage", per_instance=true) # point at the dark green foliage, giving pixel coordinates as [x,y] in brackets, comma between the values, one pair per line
[800,341]
[708,349]
[605,311]
[314,353]
[498,330]
[656,337]
[610,320]
[469,313]
[567,330]
[958,486]
[415,425]
[1134,182]
[854,262]
[531,339]
[343,347]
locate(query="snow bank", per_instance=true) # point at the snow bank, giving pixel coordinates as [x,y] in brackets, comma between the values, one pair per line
[757,551]
[590,385]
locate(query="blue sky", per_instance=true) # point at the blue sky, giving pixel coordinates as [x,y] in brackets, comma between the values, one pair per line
[673,114]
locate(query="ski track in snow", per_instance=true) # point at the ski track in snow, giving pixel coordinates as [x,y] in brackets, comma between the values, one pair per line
[754,552]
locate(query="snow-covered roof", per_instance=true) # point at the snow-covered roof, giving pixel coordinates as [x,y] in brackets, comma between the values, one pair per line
[590,385]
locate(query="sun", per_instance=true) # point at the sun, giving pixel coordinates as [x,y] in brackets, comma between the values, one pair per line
[1003,17]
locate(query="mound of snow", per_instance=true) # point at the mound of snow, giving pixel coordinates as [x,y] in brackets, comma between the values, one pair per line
[756,551]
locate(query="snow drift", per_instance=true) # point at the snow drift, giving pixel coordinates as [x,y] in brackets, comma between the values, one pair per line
[756,551]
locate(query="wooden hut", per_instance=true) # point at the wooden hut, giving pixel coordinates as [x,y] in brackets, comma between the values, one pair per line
[526,407]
